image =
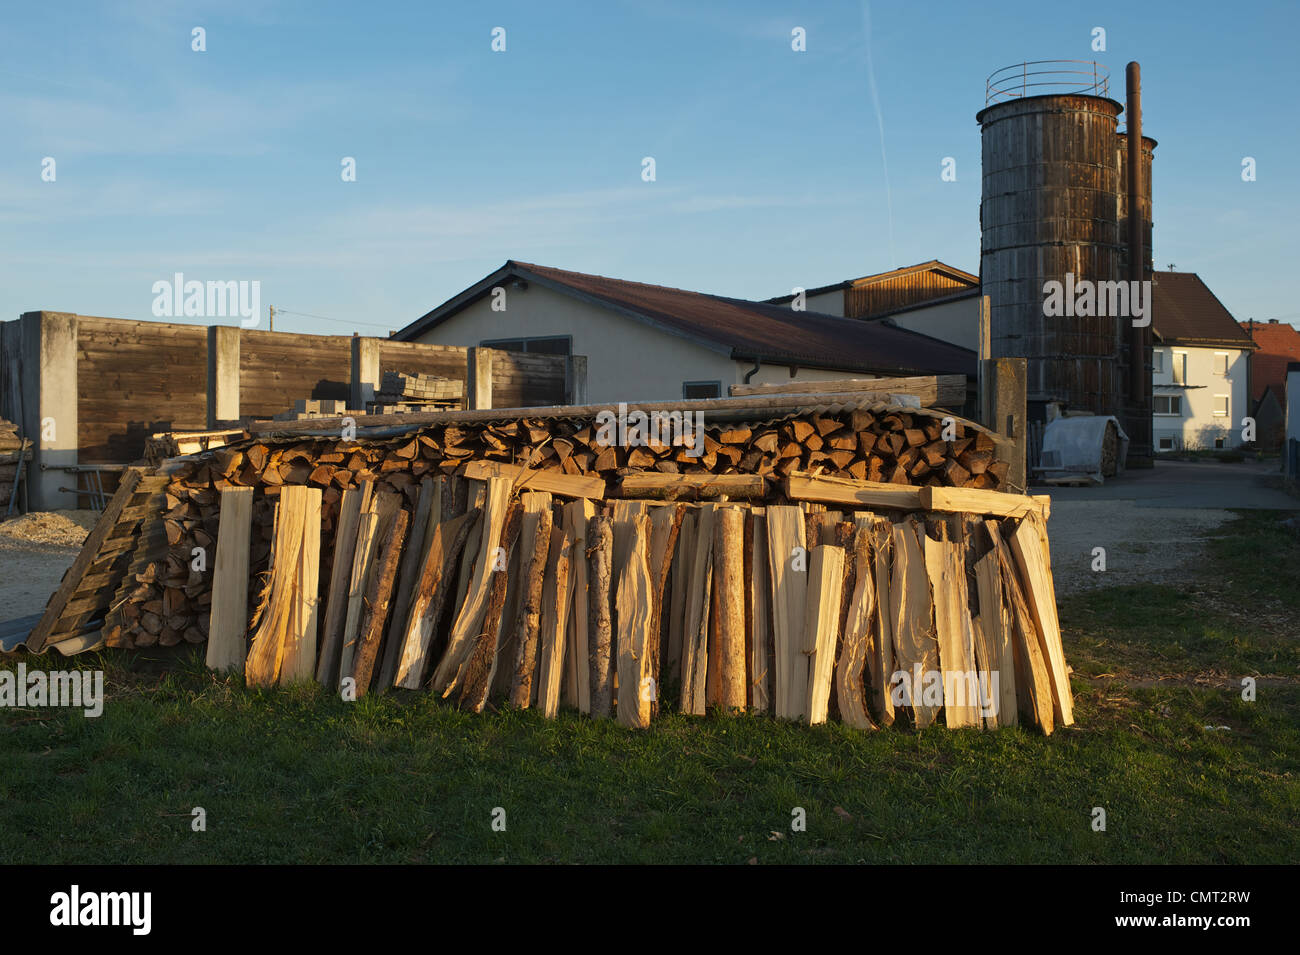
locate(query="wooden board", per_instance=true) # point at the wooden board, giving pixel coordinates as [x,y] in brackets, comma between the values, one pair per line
[228,622]
[787,567]
[974,501]
[728,661]
[695,634]
[853,493]
[821,626]
[943,564]
[470,619]
[759,594]
[635,614]
[576,515]
[1034,563]
[915,646]
[555,618]
[856,643]
[534,547]
[671,486]
[996,628]
[345,545]
[554,482]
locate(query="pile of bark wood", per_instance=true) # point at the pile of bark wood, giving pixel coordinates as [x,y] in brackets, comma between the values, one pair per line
[489,595]
[773,461]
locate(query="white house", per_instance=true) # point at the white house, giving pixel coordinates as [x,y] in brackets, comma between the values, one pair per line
[1200,366]
[647,342]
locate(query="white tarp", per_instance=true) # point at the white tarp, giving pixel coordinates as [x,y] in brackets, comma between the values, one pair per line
[1072,447]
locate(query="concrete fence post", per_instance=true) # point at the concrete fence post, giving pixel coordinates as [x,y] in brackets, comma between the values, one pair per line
[50,396]
[365,372]
[478,378]
[223,376]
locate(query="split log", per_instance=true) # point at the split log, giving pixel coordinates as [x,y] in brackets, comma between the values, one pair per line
[600,556]
[428,509]
[380,589]
[635,615]
[856,643]
[577,514]
[228,626]
[535,544]
[1033,561]
[729,585]
[1033,678]
[821,626]
[787,566]
[555,616]
[915,646]
[947,575]
[760,602]
[351,505]
[996,629]
[475,676]
[699,596]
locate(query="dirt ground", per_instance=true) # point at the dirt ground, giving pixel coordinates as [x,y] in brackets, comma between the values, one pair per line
[1142,544]
[35,550]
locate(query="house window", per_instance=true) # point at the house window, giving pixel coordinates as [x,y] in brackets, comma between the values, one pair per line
[1158,361]
[1168,404]
[1218,443]
[1221,406]
[1166,444]
[1220,362]
[543,345]
[1178,365]
[701,389]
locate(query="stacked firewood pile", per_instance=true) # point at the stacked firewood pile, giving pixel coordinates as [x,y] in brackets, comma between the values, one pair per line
[442,558]
[14,453]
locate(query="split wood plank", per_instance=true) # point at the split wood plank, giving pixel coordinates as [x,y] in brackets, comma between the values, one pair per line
[1033,678]
[475,678]
[853,493]
[635,615]
[421,525]
[856,644]
[882,657]
[555,616]
[679,586]
[469,621]
[298,662]
[387,560]
[787,567]
[821,626]
[975,501]
[915,646]
[665,527]
[600,558]
[521,478]
[431,595]
[577,514]
[729,586]
[228,621]
[275,616]
[535,545]
[996,627]
[944,566]
[1033,560]
[345,545]
[759,594]
[695,633]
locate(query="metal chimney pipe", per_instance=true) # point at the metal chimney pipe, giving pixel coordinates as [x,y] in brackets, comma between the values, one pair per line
[1140,374]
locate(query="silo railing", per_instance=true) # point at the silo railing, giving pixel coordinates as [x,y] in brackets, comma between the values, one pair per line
[1047,77]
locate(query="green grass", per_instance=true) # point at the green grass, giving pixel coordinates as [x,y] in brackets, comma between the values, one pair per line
[298,776]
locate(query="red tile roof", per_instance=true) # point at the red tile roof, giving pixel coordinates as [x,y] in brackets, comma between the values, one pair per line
[747,330]
[1279,344]
[1185,311]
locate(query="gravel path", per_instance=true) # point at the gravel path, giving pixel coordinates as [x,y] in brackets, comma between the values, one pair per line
[1143,544]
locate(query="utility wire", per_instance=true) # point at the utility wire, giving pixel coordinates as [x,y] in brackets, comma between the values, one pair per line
[326,318]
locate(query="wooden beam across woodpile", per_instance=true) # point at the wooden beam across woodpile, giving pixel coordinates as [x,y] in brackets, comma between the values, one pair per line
[523,561]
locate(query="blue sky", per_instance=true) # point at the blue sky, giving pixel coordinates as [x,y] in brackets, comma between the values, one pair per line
[225,164]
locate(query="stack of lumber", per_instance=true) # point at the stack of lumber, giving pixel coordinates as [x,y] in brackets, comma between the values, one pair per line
[401,393]
[307,408]
[170,444]
[14,452]
[489,595]
[814,455]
